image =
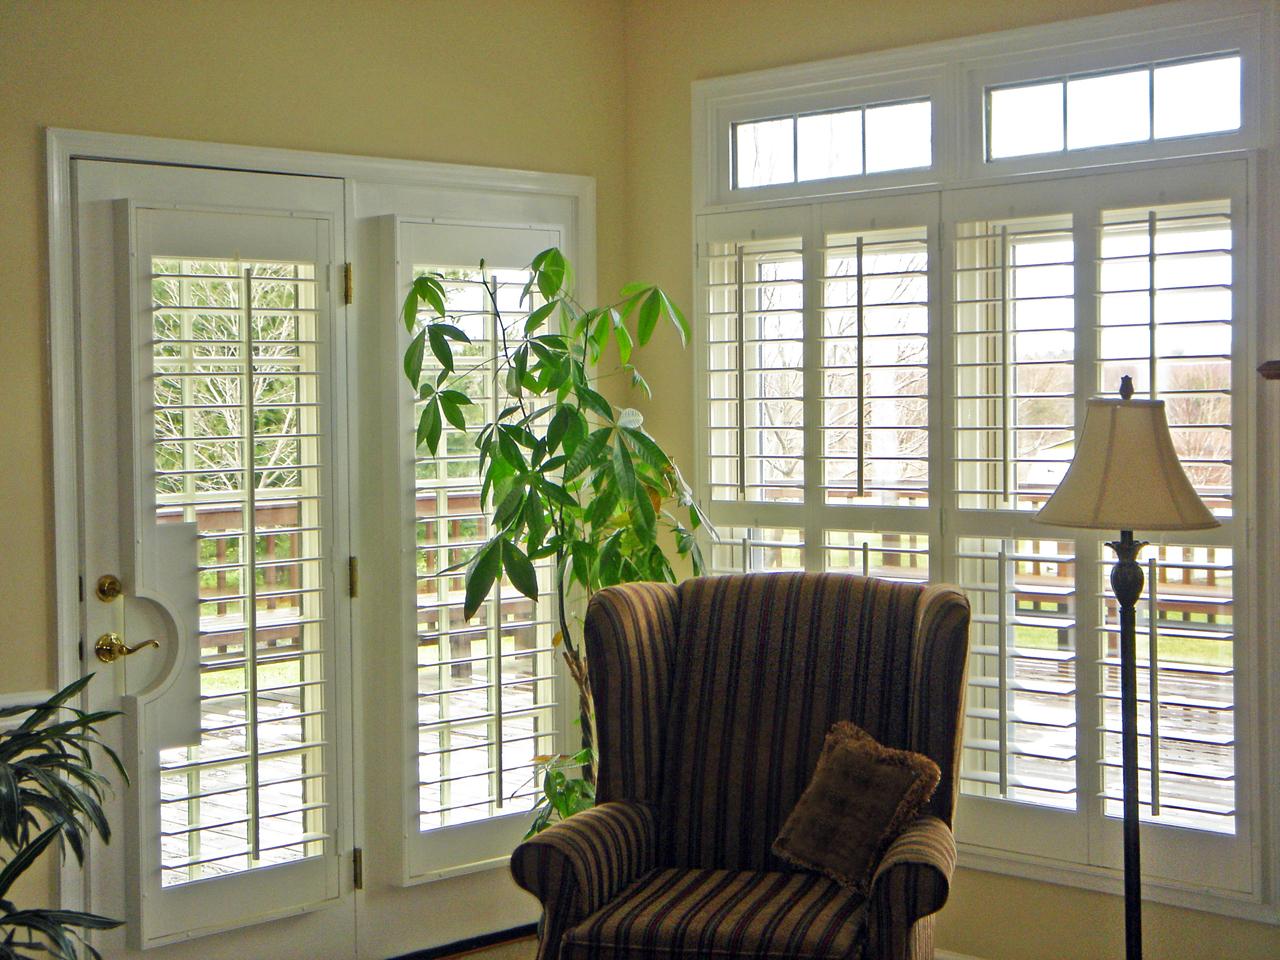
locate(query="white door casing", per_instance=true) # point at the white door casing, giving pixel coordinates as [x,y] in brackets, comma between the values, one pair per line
[179,346]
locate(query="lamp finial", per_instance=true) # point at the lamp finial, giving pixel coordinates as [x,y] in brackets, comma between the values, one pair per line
[1126,387]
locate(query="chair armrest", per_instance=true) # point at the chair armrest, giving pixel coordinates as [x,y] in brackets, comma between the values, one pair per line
[578,865]
[911,882]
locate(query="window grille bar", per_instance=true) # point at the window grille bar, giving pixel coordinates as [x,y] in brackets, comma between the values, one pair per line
[1006,343]
[298,841]
[862,386]
[1153,358]
[1002,640]
[742,375]
[1153,680]
[250,558]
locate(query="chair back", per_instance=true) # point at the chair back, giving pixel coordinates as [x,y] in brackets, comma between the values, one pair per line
[763,665]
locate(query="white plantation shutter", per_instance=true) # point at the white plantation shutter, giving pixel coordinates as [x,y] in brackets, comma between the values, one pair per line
[486,696]
[875,367]
[966,396]
[1166,310]
[755,370]
[486,686]
[237,454]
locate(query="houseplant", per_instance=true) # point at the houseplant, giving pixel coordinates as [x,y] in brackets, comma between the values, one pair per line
[566,475]
[50,794]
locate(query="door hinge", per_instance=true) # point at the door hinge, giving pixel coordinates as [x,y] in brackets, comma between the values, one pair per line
[353,577]
[357,868]
[348,282]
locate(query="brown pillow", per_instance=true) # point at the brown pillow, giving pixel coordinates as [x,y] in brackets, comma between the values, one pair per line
[859,799]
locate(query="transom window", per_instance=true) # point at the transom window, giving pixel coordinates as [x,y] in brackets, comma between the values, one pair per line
[1155,101]
[876,138]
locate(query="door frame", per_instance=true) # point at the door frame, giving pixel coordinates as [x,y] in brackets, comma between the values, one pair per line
[62,146]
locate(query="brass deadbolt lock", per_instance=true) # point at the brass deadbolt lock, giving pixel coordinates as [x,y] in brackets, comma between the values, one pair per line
[108,588]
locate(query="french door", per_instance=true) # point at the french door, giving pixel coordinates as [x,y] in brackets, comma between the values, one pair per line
[212,413]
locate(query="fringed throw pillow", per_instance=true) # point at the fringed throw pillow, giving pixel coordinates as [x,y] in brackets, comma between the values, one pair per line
[860,797]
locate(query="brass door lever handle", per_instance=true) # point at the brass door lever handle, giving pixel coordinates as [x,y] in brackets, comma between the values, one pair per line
[110,647]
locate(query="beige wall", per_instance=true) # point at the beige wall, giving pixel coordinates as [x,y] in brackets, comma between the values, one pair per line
[530,84]
[598,87]
[670,44]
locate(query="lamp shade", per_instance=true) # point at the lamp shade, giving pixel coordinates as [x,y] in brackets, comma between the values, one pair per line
[1126,475]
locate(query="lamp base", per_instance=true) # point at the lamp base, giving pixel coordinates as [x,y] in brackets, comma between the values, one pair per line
[1126,582]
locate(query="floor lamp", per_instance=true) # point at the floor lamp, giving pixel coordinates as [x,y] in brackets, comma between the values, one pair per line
[1126,476]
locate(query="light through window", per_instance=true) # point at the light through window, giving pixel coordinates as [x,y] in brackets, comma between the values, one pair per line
[837,143]
[237,448]
[486,686]
[1152,102]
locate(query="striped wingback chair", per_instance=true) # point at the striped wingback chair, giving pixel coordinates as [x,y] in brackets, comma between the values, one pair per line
[713,698]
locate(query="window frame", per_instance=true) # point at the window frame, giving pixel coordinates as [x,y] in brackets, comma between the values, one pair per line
[453,849]
[963,70]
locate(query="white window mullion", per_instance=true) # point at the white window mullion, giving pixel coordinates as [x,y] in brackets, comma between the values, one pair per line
[1085,220]
[814,439]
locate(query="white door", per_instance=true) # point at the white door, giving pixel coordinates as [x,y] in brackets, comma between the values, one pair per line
[213,448]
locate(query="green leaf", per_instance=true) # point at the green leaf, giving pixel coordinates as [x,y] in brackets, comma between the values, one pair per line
[452,413]
[456,397]
[549,270]
[631,289]
[643,517]
[587,453]
[519,570]
[510,507]
[431,290]
[625,344]
[24,856]
[481,575]
[538,317]
[440,346]
[624,470]
[648,450]
[535,521]
[682,325]
[510,448]
[409,311]
[650,310]
[430,427]
[558,427]
[641,382]
[413,358]
[595,401]
[452,332]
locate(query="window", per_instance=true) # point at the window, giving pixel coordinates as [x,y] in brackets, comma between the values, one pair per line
[236,417]
[1153,102]
[894,372]
[841,402]
[877,138]
[486,686]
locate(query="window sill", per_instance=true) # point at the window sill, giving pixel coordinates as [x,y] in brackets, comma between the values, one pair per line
[1104,880]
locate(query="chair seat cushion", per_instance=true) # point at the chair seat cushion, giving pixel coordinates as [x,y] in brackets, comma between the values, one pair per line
[681,912]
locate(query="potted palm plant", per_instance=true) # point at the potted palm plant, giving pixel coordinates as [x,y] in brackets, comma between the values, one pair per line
[50,796]
[566,475]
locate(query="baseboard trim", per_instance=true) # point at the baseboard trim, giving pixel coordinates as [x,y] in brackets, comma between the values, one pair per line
[529,929]
[459,947]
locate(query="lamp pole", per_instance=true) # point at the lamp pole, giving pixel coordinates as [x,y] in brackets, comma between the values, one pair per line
[1126,583]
